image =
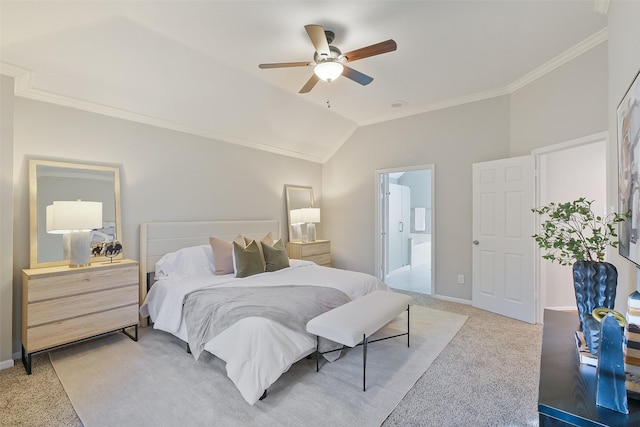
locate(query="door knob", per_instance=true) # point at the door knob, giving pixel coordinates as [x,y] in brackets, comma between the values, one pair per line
[475,242]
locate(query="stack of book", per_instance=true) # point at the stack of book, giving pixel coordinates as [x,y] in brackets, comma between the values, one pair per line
[632,345]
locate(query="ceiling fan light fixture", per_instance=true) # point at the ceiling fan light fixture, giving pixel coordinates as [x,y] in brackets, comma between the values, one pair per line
[328,70]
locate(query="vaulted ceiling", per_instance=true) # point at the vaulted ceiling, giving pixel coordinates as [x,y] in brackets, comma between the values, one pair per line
[193,65]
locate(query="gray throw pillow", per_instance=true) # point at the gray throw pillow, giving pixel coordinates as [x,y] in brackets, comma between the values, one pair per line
[275,256]
[248,260]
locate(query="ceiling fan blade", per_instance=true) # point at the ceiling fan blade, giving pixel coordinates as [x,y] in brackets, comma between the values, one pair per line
[310,84]
[356,76]
[318,38]
[285,64]
[375,49]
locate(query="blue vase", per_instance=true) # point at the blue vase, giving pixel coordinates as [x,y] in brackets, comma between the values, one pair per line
[595,286]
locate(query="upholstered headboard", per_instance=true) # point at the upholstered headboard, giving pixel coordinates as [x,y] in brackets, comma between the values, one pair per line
[160,238]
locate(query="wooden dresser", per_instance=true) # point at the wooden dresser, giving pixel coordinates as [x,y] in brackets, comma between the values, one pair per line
[318,251]
[61,305]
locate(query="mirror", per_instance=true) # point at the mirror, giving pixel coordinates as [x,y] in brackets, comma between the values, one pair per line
[51,181]
[297,197]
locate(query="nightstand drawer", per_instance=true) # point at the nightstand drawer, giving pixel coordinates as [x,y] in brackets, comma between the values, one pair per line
[318,251]
[315,248]
[323,259]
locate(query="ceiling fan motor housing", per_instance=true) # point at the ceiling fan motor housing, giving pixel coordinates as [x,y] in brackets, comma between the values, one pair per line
[335,54]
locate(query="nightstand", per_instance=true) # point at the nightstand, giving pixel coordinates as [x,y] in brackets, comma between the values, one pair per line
[62,305]
[318,251]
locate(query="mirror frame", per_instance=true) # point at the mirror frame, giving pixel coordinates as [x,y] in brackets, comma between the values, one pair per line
[33,207]
[289,189]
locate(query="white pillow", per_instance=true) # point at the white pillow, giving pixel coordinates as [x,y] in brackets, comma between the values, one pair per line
[191,261]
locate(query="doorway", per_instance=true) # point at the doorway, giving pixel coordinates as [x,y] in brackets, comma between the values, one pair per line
[561,179]
[404,228]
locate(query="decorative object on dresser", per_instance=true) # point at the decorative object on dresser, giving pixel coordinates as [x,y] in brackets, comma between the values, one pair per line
[75,219]
[318,251]
[62,305]
[567,389]
[572,233]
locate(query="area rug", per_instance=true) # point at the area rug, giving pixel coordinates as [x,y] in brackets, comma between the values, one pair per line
[114,381]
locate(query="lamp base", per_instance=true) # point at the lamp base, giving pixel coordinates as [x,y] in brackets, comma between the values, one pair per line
[79,249]
[311,232]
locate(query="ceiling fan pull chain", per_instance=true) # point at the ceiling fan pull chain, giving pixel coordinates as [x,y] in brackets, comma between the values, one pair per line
[328,94]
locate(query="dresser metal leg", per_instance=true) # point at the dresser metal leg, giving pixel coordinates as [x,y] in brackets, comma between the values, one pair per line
[26,361]
[135,334]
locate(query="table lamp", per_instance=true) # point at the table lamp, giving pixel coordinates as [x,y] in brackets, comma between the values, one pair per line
[310,216]
[75,219]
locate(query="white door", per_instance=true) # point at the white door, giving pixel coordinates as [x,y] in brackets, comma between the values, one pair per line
[395,227]
[503,249]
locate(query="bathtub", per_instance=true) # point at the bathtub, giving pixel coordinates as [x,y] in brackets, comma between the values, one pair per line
[420,250]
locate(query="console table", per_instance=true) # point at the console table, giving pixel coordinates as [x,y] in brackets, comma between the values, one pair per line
[567,391]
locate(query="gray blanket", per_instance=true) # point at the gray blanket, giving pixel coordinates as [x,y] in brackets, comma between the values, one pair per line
[210,311]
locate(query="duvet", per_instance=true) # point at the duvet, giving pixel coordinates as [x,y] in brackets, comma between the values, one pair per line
[257,349]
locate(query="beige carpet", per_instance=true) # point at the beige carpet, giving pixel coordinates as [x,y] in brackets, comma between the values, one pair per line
[154,382]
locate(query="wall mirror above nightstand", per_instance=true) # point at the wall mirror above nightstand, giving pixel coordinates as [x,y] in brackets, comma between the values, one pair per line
[297,197]
[51,181]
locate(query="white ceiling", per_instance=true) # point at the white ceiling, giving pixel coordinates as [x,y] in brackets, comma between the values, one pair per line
[193,65]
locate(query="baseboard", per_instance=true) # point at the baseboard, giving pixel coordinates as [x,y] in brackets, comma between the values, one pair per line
[451,299]
[571,308]
[6,364]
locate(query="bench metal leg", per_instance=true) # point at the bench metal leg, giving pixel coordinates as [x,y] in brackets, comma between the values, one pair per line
[408,315]
[364,343]
[317,353]
[364,362]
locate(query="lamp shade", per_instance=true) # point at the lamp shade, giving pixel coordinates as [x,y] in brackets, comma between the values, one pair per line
[296,216]
[310,214]
[67,216]
[328,70]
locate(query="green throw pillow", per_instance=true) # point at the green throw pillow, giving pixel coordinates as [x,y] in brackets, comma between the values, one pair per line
[275,256]
[248,260]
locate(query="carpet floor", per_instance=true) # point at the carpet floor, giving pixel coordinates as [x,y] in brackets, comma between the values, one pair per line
[154,382]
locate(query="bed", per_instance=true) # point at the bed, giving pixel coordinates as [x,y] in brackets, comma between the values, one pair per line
[257,349]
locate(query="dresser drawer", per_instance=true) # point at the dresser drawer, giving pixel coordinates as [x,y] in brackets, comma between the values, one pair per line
[83,281]
[77,328]
[48,311]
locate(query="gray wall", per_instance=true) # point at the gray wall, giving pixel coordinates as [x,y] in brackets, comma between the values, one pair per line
[165,175]
[6,219]
[568,103]
[624,63]
[565,104]
[452,139]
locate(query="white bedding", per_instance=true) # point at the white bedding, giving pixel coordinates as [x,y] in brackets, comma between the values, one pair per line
[257,350]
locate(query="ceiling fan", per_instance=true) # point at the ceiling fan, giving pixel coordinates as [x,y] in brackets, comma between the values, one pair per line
[329,62]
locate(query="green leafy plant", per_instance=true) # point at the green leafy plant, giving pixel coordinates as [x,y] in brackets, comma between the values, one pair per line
[573,232]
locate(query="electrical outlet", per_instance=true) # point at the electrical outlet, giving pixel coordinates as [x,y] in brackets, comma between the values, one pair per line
[461,279]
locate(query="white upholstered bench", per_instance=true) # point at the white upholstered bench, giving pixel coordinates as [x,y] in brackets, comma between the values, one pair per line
[353,323]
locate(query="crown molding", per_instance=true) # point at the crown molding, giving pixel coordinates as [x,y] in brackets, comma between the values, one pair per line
[467,99]
[568,55]
[24,89]
[601,6]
